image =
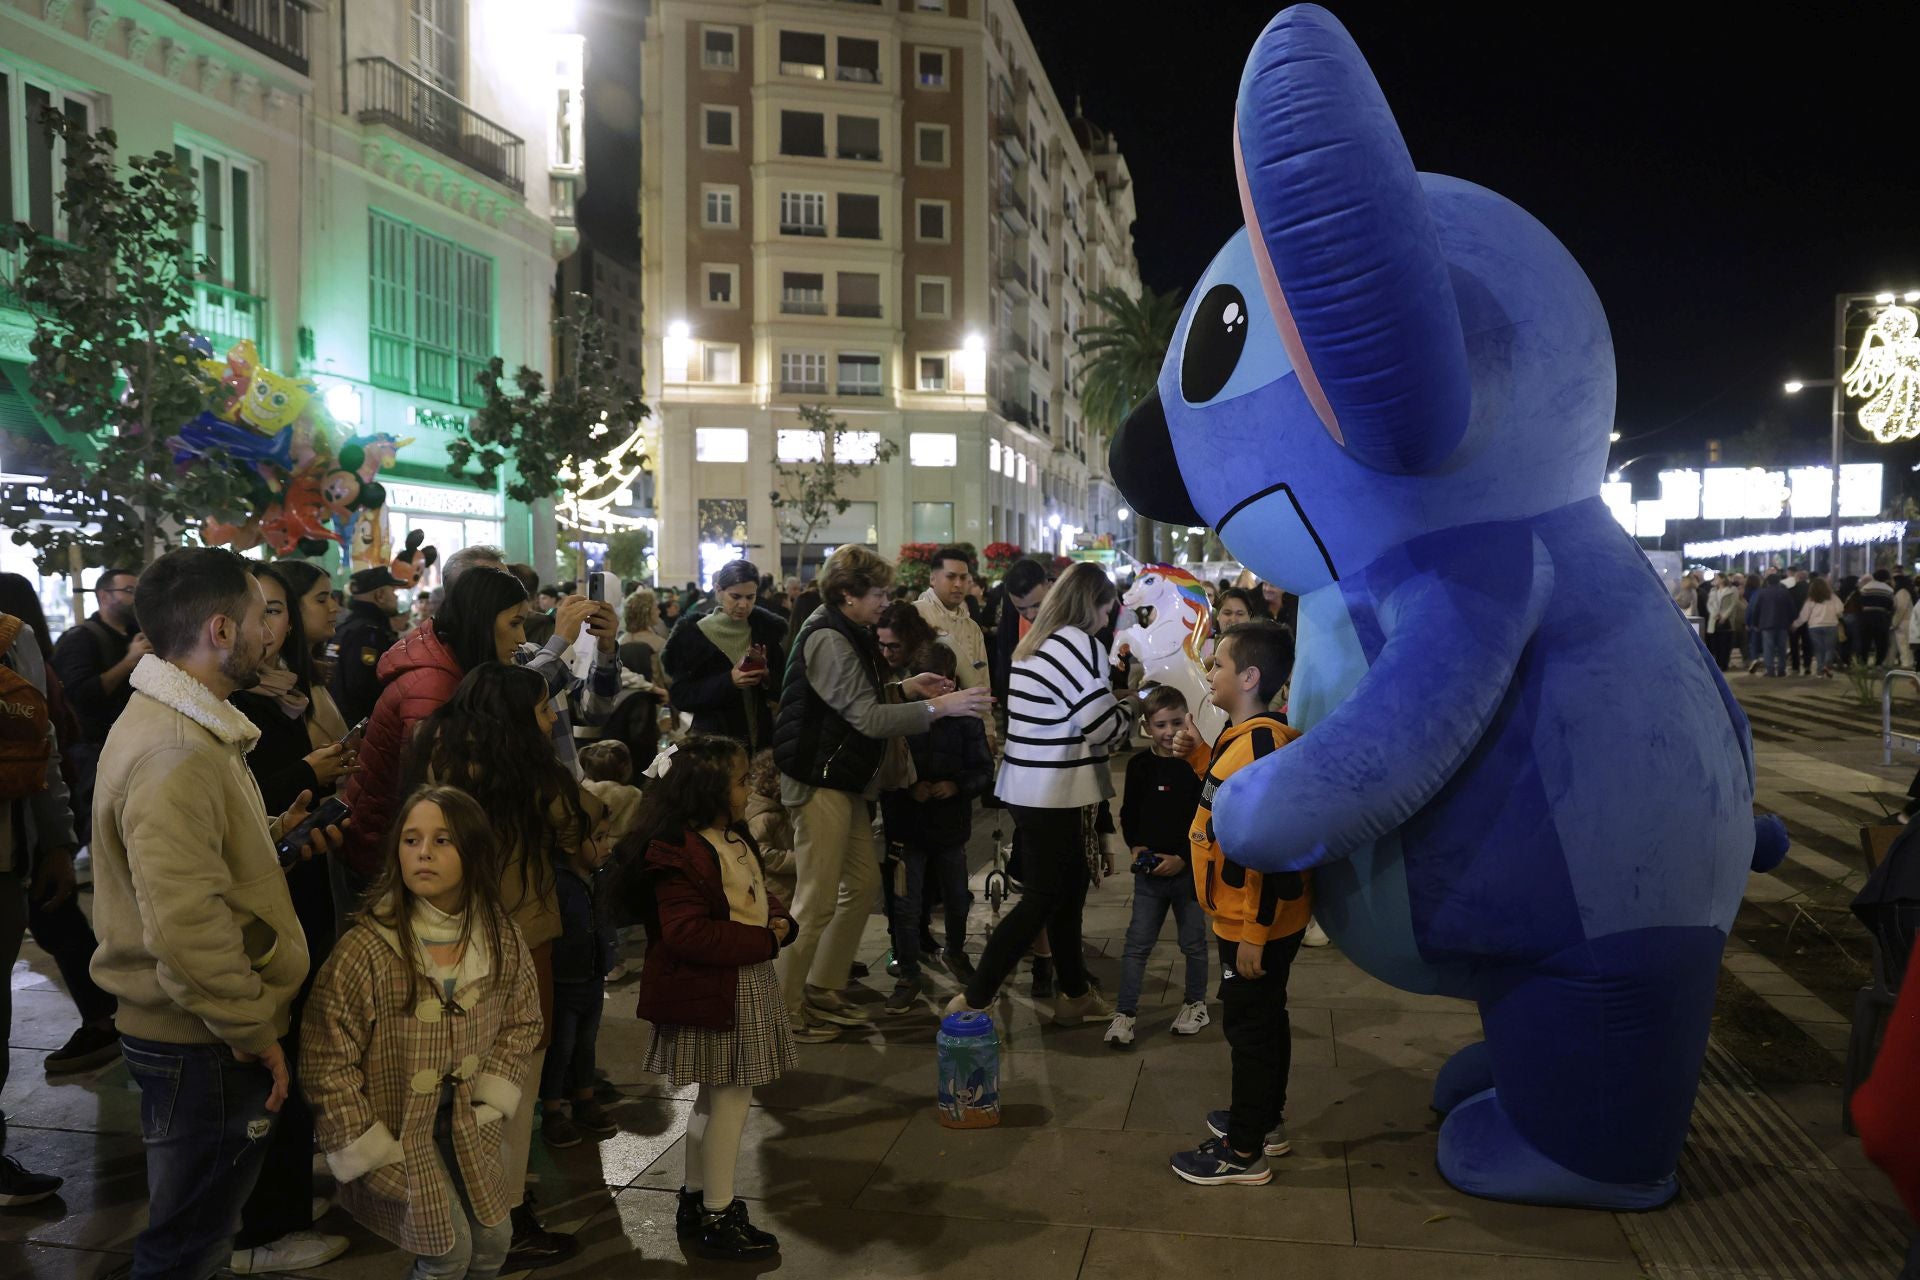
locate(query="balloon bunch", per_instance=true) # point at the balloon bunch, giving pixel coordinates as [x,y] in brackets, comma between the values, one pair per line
[308,486]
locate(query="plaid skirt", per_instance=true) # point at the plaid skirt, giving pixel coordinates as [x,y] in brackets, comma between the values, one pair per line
[757,1051]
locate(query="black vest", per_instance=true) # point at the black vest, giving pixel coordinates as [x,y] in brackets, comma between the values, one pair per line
[812,742]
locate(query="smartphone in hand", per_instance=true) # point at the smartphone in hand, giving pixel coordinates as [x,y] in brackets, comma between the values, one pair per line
[755,659]
[293,842]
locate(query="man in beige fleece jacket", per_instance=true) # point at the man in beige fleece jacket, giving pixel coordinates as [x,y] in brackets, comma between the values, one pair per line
[198,937]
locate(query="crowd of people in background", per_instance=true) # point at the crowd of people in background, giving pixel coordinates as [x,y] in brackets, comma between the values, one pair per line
[1793,622]
[362,875]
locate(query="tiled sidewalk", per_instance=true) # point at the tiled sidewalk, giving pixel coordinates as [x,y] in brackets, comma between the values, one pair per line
[846,1162]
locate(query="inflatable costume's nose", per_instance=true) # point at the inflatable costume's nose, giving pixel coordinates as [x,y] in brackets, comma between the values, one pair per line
[1145,469]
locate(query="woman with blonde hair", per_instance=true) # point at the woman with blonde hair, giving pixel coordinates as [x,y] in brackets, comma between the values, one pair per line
[836,743]
[638,640]
[1062,721]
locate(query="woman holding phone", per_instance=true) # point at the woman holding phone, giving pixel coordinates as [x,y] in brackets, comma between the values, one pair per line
[303,747]
[725,667]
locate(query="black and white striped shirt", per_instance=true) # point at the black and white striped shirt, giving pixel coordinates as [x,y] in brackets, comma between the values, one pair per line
[1062,720]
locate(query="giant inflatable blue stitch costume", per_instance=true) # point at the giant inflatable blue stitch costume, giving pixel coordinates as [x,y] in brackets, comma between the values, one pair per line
[1522,781]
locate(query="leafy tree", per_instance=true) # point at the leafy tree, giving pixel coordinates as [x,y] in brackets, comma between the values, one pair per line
[554,437]
[1119,364]
[627,553]
[1120,357]
[111,362]
[809,492]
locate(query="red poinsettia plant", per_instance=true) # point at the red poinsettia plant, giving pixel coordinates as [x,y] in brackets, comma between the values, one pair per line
[1001,555]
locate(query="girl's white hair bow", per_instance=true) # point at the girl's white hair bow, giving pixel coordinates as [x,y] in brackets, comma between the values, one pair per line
[661,762]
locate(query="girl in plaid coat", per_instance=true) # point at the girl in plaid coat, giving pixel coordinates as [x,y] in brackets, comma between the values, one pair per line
[416,1043]
[708,985]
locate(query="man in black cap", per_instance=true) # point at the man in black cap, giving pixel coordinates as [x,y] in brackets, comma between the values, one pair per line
[365,632]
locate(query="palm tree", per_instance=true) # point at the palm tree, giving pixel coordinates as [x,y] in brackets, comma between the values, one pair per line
[1119,366]
[1120,357]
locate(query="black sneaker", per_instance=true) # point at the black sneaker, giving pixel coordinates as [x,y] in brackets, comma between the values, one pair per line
[1214,1164]
[859,970]
[556,1130]
[686,1215]
[592,1119]
[730,1236]
[20,1187]
[85,1049]
[533,1245]
[906,994]
[1043,977]
[959,966]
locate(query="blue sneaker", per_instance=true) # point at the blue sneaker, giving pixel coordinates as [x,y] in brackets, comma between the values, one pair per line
[1276,1144]
[1214,1163]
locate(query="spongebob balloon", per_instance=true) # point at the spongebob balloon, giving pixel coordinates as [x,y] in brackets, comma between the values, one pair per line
[273,401]
[1522,780]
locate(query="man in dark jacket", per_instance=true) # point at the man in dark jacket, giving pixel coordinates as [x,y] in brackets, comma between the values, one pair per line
[365,633]
[1800,654]
[1772,615]
[94,661]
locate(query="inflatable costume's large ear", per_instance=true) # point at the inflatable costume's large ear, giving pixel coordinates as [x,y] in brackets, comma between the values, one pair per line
[1346,249]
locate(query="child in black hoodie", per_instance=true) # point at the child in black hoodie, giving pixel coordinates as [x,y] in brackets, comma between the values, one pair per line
[929,824]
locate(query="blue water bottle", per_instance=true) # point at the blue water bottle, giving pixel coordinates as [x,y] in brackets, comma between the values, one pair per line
[969,1093]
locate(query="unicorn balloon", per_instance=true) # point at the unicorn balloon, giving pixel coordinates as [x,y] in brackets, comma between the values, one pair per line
[1168,646]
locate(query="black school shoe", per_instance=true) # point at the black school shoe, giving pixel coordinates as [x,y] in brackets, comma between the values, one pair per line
[686,1215]
[533,1245]
[728,1235]
[20,1186]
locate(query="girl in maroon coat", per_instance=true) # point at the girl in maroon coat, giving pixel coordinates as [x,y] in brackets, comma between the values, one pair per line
[708,984]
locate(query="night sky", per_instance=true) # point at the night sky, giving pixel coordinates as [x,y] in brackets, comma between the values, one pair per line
[1719,184]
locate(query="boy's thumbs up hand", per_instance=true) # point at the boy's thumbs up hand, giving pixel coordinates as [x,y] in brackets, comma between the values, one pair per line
[1187,738]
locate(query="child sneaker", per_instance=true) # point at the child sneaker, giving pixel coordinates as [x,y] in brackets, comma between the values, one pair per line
[1120,1031]
[592,1119]
[1316,936]
[1213,1164]
[1275,1145]
[557,1131]
[1192,1017]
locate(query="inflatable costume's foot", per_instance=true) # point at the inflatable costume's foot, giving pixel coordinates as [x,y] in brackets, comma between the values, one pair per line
[1469,1071]
[1482,1154]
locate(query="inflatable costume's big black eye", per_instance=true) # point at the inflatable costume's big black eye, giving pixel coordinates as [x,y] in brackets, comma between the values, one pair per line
[1214,342]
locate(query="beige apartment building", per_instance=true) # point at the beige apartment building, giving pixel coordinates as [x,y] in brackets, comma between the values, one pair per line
[881,206]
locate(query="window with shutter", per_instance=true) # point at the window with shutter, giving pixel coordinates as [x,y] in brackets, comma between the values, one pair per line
[431,312]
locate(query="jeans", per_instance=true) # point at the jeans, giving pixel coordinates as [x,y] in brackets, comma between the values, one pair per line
[1773,650]
[1056,893]
[1822,647]
[1876,633]
[576,1028]
[204,1117]
[1254,1017]
[1153,897]
[1798,641]
[478,1251]
[1720,645]
[948,865]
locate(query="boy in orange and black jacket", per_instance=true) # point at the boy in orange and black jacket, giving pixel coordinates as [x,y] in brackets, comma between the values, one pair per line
[1258,920]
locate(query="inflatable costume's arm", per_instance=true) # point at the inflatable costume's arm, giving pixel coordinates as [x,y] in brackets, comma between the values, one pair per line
[1455,624]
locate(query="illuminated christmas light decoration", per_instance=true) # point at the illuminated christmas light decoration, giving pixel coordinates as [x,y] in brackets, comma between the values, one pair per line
[1886,374]
[598,485]
[1852,535]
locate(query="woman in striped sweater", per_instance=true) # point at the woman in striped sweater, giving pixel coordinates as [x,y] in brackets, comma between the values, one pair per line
[1062,720]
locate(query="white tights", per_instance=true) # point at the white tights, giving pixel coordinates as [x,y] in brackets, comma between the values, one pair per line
[713,1142]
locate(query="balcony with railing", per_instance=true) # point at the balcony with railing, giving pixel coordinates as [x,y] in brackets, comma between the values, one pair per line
[1014,412]
[393,96]
[802,228]
[798,305]
[1011,344]
[859,388]
[277,28]
[859,310]
[1013,273]
[1012,203]
[1009,133]
[227,316]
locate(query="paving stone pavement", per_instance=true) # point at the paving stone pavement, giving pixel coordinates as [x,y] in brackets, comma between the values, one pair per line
[844,1159]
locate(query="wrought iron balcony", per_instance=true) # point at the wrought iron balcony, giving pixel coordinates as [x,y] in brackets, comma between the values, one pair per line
[803,229]
[803,307]
[1016,413]
[1012,272]
[225,316]
[277,28]
[860,389]
[392,95]
[1011,201]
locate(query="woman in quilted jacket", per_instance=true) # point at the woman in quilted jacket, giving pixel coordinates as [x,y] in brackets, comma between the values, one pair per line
[482,620]
[417,1040]
[708,985]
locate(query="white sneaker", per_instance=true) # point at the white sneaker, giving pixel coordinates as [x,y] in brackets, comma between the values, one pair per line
[295,1251]
[1120,1031]
[1316,936]
[1191,1018]
[321,1205]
